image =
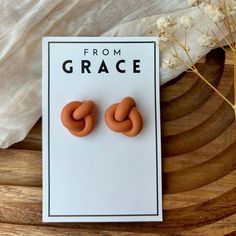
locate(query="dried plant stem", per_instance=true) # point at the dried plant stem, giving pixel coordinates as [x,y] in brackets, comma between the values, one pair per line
[218,43]
[218,27]
[184,47]
[185,37]
[226,22]
[173,44]
[224,37]
[234,52]
[208,83]
[186,52]
[234,23]
[219,21]
[193,69]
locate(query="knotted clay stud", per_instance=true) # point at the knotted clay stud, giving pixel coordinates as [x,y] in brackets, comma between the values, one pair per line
[124,117]
[78,117]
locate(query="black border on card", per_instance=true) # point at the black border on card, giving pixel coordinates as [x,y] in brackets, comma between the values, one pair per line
[50,42]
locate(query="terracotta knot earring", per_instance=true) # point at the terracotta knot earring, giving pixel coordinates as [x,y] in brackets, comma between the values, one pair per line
[78,117]
[124,117]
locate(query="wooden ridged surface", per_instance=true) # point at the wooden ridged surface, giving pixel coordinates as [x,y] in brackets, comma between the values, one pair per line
[199,165]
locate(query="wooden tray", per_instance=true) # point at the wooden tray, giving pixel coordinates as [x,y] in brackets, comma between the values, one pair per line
[199,162]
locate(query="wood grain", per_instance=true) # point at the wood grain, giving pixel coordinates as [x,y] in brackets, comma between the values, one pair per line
[200,135]
[198,116]
[198,175]
[192,99]
[199,168]
[201,194]
[20,167]
[33,141]
[203,153]
[26,230]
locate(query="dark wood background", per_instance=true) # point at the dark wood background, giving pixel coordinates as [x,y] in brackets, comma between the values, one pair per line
[199,166]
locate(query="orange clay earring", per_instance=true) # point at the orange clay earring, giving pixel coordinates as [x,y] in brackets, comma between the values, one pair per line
[78,117]
[124,117]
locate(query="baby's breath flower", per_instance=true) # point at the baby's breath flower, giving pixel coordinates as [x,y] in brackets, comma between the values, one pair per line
[233,3]
[206,40]
[186,21]
[193,2]
[233,9]
[187,48]
[170,62]
[214,13]
[164,22]
[166,36]
[163,38]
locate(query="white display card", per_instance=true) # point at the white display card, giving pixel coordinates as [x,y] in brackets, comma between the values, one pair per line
[105,176]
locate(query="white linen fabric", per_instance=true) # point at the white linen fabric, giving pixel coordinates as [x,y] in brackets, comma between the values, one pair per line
[23,23]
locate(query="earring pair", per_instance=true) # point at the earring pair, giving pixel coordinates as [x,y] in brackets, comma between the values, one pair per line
[124,117]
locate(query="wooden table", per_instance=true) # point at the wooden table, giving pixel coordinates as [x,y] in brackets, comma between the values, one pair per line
[199,167]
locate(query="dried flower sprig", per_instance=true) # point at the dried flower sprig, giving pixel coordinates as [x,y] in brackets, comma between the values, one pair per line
[222,14]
